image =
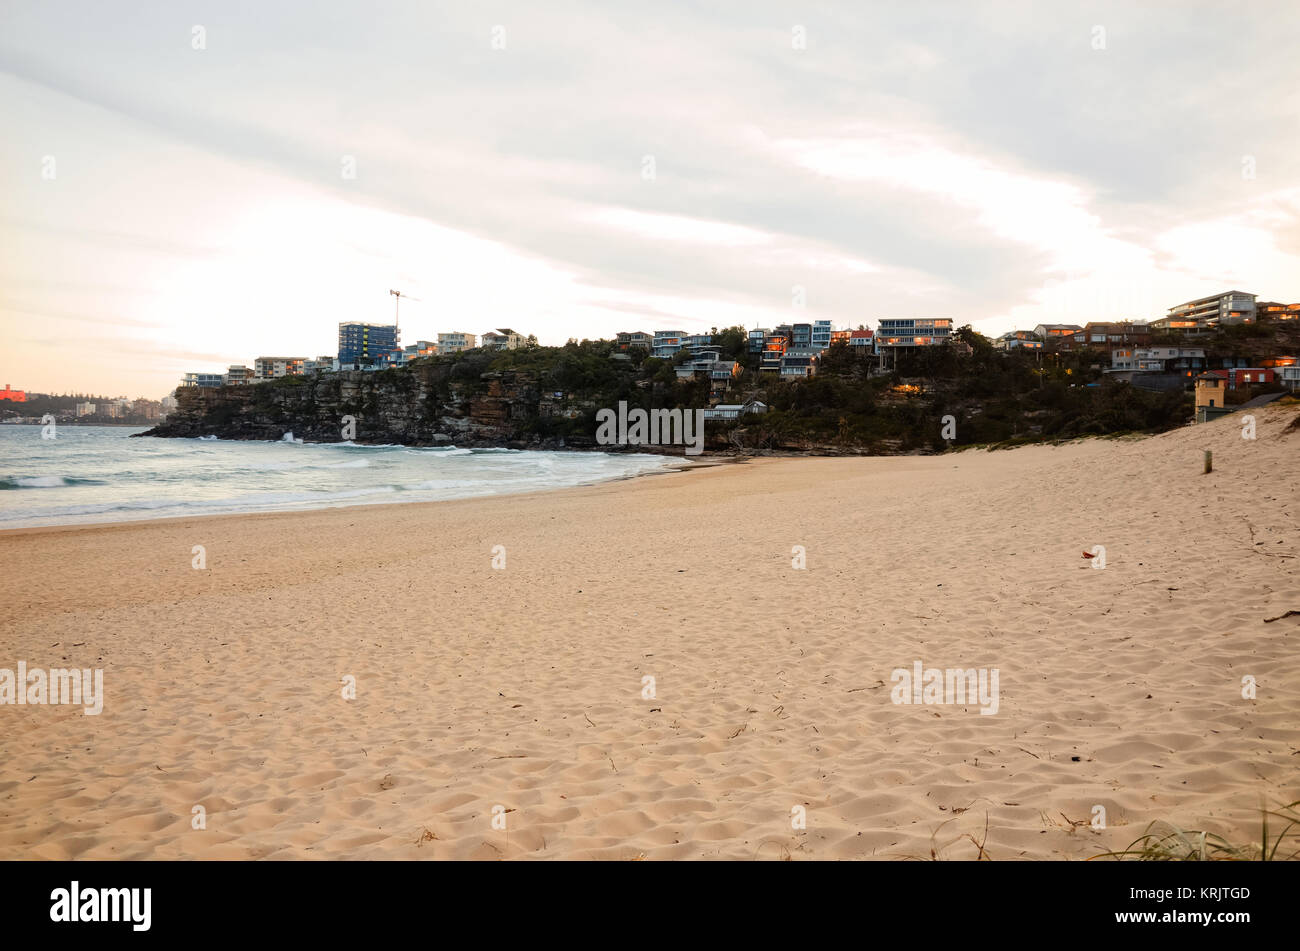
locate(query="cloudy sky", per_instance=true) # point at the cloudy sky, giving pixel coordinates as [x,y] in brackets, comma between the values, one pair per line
[185,185]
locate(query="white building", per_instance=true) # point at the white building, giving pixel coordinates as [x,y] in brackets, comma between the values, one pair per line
[503,338]
[270,368]
[455,341]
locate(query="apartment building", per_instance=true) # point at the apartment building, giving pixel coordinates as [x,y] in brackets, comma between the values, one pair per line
[366,343]
[821,334]
[455,342]
[896,332]
[272,368]
[238,373]
[757,337]
[861,338]
[86,409]
[14,396]
[1229,307]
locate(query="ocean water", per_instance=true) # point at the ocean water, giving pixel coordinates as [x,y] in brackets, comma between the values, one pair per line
[98,474]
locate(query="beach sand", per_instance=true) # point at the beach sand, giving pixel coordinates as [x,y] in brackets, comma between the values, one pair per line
[522,687]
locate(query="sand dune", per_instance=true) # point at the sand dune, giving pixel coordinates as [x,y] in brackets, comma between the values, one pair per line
[522,688]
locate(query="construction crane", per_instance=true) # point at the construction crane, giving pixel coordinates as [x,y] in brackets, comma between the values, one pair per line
[397,305]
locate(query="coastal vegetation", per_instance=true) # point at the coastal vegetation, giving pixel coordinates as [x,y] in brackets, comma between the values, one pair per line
[960,394]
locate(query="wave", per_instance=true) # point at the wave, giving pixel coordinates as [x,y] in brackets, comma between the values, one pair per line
[295,466]
[45,482]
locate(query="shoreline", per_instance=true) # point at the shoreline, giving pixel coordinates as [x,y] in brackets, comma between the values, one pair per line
[685,466]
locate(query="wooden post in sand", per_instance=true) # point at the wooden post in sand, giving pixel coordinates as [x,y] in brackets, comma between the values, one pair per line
[1209,462]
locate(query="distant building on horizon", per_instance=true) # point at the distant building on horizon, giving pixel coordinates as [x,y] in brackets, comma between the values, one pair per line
[14,396]
[362,343]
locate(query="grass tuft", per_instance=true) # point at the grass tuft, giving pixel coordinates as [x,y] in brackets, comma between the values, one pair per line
[1164,842]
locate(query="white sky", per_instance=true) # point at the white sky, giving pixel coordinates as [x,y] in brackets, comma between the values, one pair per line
[982,161]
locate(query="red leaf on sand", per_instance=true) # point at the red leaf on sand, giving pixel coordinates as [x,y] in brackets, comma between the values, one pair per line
[1088,554]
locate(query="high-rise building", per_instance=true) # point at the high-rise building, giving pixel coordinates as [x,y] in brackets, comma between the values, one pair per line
[366,343]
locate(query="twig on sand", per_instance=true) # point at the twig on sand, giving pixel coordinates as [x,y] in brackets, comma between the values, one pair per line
[1270,620]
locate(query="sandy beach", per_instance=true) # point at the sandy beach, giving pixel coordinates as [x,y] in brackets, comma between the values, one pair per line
[521,687]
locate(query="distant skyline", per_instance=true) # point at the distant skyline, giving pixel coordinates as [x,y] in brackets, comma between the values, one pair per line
[177,188]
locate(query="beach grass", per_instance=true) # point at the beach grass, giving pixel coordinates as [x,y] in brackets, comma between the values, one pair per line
[1165,842]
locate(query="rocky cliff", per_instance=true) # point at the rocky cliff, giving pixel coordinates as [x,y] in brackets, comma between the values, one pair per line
[416,406]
